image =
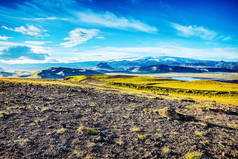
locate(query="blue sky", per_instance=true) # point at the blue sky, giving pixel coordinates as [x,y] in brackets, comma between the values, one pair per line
[34,31]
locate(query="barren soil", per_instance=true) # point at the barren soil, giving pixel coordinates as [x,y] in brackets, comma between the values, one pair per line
[52,122]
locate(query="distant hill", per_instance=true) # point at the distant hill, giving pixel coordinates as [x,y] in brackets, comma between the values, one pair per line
[127,63]
[104,65]
[61,72]
[147,65]
[163,60]
[176,69]
[6,74]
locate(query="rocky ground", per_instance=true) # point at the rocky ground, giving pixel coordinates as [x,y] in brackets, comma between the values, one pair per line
[72,122]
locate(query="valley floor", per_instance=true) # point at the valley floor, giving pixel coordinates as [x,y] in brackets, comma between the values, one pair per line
[41,119]
[216,75]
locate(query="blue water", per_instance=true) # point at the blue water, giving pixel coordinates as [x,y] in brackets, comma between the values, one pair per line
[197,78]
[186,78]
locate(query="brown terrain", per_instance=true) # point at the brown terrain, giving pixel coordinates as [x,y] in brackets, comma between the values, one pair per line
[56,121]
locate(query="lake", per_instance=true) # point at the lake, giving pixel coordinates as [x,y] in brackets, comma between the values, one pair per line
[198,78]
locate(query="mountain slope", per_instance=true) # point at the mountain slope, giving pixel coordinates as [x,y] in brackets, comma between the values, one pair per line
[177,69]
[126,63]
[61,72]
[163,60]
[6,74]
[104,65]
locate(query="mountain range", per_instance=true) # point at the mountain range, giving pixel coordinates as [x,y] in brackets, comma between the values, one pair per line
[147,65]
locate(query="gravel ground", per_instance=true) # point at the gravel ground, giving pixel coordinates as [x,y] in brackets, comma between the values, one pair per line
[72,122]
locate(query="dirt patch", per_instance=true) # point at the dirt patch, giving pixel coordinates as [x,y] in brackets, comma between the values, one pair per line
[72,122]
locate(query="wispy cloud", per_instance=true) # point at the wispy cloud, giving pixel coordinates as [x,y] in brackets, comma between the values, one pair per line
[110,20]
[100,37]
[197,31]
[4,37]
[224,38]
[24,60]
[37,42]
[108,53]
[106,19]
[30,30]
[78,36]
[7,44]
[46,19]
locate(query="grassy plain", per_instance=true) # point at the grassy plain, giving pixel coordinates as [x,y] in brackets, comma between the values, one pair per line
[39,81]
[200,89]
[205,90]
[231,76]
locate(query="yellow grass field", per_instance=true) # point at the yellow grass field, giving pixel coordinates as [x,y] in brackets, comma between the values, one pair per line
[205,90]
[39,81]
[231,76]
[200,89]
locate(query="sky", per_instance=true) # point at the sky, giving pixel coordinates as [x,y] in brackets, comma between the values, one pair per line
[55,31]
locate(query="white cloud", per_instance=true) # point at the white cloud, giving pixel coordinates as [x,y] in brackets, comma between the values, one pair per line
[38,19]
[41,49]
[224,38]
[37,42]
[35,48]
[110,20]
[5,45]
[46,18]
[30,30]
[4,37]
[16,52]
[78,36]
[100,37]
[115,53]
[197,31]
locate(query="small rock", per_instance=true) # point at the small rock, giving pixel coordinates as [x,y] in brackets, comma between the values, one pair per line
[158,98]
[104,133]
[63,147]
[95,148]
[63,125]
[169,112]
[50,127]
[101,139]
